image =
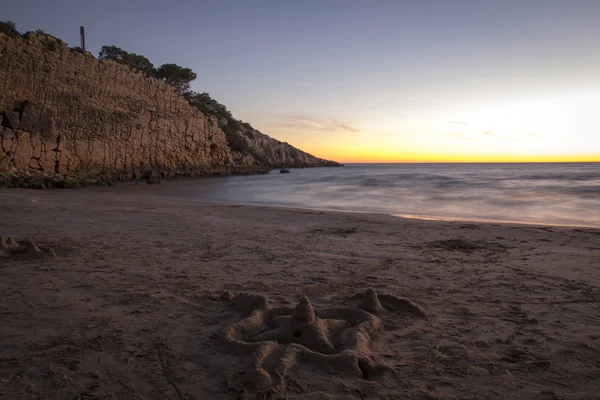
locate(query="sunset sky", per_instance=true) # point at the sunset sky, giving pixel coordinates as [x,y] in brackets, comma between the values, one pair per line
[372,81]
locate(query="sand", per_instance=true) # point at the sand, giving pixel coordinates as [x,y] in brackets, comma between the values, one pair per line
[139,297]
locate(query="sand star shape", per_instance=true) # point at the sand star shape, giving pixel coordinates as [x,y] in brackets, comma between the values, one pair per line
[336,339]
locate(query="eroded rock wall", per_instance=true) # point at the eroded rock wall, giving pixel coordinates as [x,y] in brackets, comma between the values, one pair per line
[65,113]
[267,151]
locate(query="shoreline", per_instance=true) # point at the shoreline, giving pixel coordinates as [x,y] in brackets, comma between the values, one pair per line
[424,217]
[141,291]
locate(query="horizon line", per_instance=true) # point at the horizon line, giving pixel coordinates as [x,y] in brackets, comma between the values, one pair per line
[471,162]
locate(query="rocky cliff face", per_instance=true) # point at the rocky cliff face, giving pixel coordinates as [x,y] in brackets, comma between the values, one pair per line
[65,114]
[256,148]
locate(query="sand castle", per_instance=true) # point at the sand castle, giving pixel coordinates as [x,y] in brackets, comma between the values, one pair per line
[10,246]
[276,340]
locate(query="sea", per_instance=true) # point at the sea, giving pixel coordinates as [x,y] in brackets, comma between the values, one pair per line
[538,193]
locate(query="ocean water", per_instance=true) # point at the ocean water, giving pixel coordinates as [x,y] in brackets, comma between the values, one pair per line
[557,193]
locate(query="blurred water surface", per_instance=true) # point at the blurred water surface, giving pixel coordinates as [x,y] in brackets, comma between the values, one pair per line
[554,193]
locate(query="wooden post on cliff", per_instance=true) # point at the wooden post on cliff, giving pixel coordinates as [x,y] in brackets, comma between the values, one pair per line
[82,32]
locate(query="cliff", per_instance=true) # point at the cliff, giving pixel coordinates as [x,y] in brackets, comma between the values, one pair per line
[66,115]
[256,148]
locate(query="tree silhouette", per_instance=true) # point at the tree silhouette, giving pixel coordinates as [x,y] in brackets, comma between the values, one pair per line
[133,60]
[176,76]
[9,28]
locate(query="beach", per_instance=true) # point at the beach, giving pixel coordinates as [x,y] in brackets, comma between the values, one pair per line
[142,297]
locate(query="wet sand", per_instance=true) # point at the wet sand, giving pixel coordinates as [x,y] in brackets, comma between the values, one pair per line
[156,298]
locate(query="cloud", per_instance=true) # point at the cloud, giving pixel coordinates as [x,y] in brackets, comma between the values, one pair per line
[381,134]
[473,135]
[347,127]
[458,122]
[460,136]
[495,135]
[536,135]
[305,122]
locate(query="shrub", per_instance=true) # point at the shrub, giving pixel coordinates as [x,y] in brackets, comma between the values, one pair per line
[50,44]
[131,59]
[9,28]
[236,142]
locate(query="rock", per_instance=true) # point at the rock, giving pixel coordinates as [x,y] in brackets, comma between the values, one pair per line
[7,140]
[267,151]
[11,119]
[132,120]
[31,120]
[284,171]
[4,162]
[2,243]
[66,184]
[126,125]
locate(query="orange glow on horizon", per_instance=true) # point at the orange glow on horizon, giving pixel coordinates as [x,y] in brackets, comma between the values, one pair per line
[347,153]
[467,158]
[559,129]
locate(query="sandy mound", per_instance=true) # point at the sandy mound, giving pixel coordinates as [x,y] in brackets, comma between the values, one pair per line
[10,247]
[279,340]
[370,302]
[380,304]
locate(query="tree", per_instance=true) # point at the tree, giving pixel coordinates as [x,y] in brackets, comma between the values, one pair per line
[113,53]
[140,62]
[208,105]
[176,76]
[9,28]
[133,60]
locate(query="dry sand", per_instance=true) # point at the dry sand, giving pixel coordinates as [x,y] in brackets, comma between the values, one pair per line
[136,297]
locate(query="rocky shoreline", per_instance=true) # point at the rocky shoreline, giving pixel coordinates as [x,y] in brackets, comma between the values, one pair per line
[28,180]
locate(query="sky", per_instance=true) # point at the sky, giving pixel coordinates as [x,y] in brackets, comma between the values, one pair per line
[372,81]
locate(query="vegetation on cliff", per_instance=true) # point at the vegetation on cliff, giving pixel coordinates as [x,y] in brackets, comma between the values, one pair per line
[246,148]
[176,76]
[9,28]
[180,78]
